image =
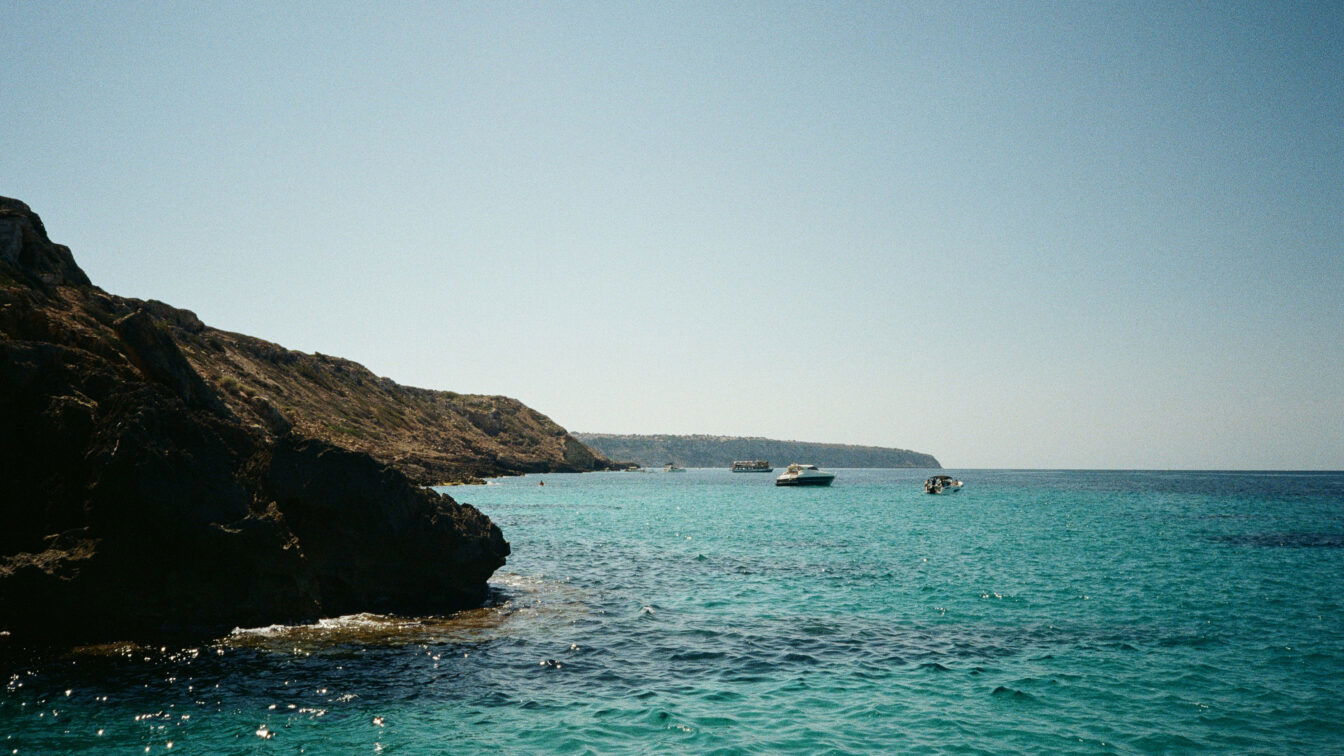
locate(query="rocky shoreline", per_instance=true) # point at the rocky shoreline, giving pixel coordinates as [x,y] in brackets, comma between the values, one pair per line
[151,488]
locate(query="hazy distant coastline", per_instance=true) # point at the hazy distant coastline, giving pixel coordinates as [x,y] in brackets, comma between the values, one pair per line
[721,451]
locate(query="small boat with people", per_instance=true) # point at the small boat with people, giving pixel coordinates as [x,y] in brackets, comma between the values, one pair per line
[804,475]
[752,466]
[942,484]
[672,467]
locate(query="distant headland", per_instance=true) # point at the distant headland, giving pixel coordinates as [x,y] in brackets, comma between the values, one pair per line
[721,451]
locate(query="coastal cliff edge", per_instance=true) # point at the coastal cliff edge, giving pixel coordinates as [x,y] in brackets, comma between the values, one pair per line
[160,476]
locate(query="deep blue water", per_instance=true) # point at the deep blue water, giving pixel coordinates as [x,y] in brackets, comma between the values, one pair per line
[1035,611]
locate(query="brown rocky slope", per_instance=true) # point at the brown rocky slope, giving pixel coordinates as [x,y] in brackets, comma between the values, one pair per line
[157,475]
[432,436]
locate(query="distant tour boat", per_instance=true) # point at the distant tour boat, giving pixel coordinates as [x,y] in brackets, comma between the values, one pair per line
[672,467]
[804,475]
[751,465]
[942,484]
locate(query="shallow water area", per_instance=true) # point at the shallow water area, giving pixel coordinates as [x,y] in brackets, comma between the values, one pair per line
[1034,611]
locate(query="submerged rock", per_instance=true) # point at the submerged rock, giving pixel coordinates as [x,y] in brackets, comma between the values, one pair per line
[138,500]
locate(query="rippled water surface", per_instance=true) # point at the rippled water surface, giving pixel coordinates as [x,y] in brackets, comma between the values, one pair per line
[1087,612]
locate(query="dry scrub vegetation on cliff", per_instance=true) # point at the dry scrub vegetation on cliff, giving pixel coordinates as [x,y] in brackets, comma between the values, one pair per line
[158,475]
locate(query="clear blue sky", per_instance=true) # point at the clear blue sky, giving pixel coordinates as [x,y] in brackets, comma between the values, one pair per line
[1007,234]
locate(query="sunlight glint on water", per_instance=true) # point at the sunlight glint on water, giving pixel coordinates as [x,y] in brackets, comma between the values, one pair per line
[1034,611]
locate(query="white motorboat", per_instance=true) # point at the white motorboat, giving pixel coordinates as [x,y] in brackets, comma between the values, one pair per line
[942,484]
[804,475]
[672,467]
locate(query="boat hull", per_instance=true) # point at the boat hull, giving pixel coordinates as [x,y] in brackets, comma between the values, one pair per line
[814,480]
[942,485]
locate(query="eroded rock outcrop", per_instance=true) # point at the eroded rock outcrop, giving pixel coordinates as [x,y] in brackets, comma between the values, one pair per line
[140,497]
[25,247]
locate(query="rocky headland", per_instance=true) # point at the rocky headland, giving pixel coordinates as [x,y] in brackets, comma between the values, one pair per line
[721,451]
[161,476]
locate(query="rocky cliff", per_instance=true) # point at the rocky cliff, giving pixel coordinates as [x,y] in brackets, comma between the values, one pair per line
[433,437]
[157,475]
[721,451]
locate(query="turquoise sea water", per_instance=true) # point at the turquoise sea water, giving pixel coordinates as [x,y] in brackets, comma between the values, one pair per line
[1034,612]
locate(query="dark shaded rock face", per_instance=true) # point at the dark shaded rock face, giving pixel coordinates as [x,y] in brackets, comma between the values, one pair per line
[136,502]
[402,557]
[158,359]
[24,246]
